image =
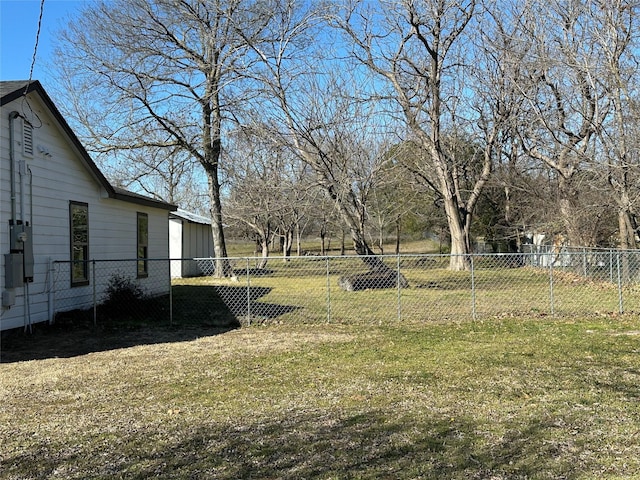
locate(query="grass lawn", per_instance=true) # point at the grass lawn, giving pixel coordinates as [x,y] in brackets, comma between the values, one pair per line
[306,290]
[498,399]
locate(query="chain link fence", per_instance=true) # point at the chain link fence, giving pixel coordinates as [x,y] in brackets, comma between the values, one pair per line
[112,290]
[356,289]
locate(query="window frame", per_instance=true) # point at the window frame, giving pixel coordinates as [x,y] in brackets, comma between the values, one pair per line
[84,279]
[142,246]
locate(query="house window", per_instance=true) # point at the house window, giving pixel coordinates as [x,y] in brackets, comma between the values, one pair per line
[143,244]
[79,221]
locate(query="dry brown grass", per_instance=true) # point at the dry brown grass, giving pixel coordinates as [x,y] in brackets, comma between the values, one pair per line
[499,399]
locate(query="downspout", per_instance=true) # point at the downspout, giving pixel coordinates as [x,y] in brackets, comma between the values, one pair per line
[13,221]
[22,166]
[50,291]
[22,171]
[27,171]
[12,159]
[30,196]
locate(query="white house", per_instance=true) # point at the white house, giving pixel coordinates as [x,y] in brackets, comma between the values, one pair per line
[190,237]
[56,206]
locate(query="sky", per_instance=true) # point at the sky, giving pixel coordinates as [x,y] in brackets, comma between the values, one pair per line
[18,29]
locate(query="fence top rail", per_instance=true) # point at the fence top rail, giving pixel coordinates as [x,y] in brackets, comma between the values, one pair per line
[572,252]
[111,260]
[414,255]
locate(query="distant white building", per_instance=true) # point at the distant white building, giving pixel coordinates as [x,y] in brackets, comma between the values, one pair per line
[190,238]
[56,205]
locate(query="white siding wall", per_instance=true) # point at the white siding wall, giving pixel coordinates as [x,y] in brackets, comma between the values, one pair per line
[5,196]
[175,247]
[56,180]
[189,240]
[200,242]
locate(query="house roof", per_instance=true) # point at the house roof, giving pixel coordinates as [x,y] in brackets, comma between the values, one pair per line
[191,217]
[13,90]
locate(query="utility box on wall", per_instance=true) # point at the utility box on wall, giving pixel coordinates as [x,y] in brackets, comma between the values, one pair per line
[21,236]
[18,236]
[13,270]
[8,298]
[28,262]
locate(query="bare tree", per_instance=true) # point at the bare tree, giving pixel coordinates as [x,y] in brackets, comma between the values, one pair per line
[313,111]
[421,53]
[253,199]
[564,103]
[390,200]
[268,191]
[165,74]
[163,173]
[616,31]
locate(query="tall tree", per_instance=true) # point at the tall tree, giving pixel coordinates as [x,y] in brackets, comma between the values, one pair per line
[564,103]
[309,106]
[269,191]
[420,51]
[165,73]
[616,30]
[393,198]
[163,173]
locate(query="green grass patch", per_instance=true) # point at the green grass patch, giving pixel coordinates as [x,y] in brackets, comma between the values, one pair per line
[308,291]
[501,398]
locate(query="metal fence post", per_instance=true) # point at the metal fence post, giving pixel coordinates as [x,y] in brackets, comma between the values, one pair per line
[551,297]
[170,296]
[95,297]
[328,291]
[473,290]
[51,292]
[620,297]
[611,265]
[398,286]
[248,294]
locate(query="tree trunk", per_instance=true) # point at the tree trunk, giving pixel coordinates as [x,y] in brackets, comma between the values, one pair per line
[212,149]
[568,202]
[222,265]
[287,243]
[627,230]
[627,242]
[264,244]
[323,235]
[458,260]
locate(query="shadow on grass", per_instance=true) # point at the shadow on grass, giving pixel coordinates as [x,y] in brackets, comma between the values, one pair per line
[367,445]
[197,311]
[243,304]
[71,338]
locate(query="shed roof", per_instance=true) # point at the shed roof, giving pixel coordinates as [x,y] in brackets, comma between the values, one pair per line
[191,217]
